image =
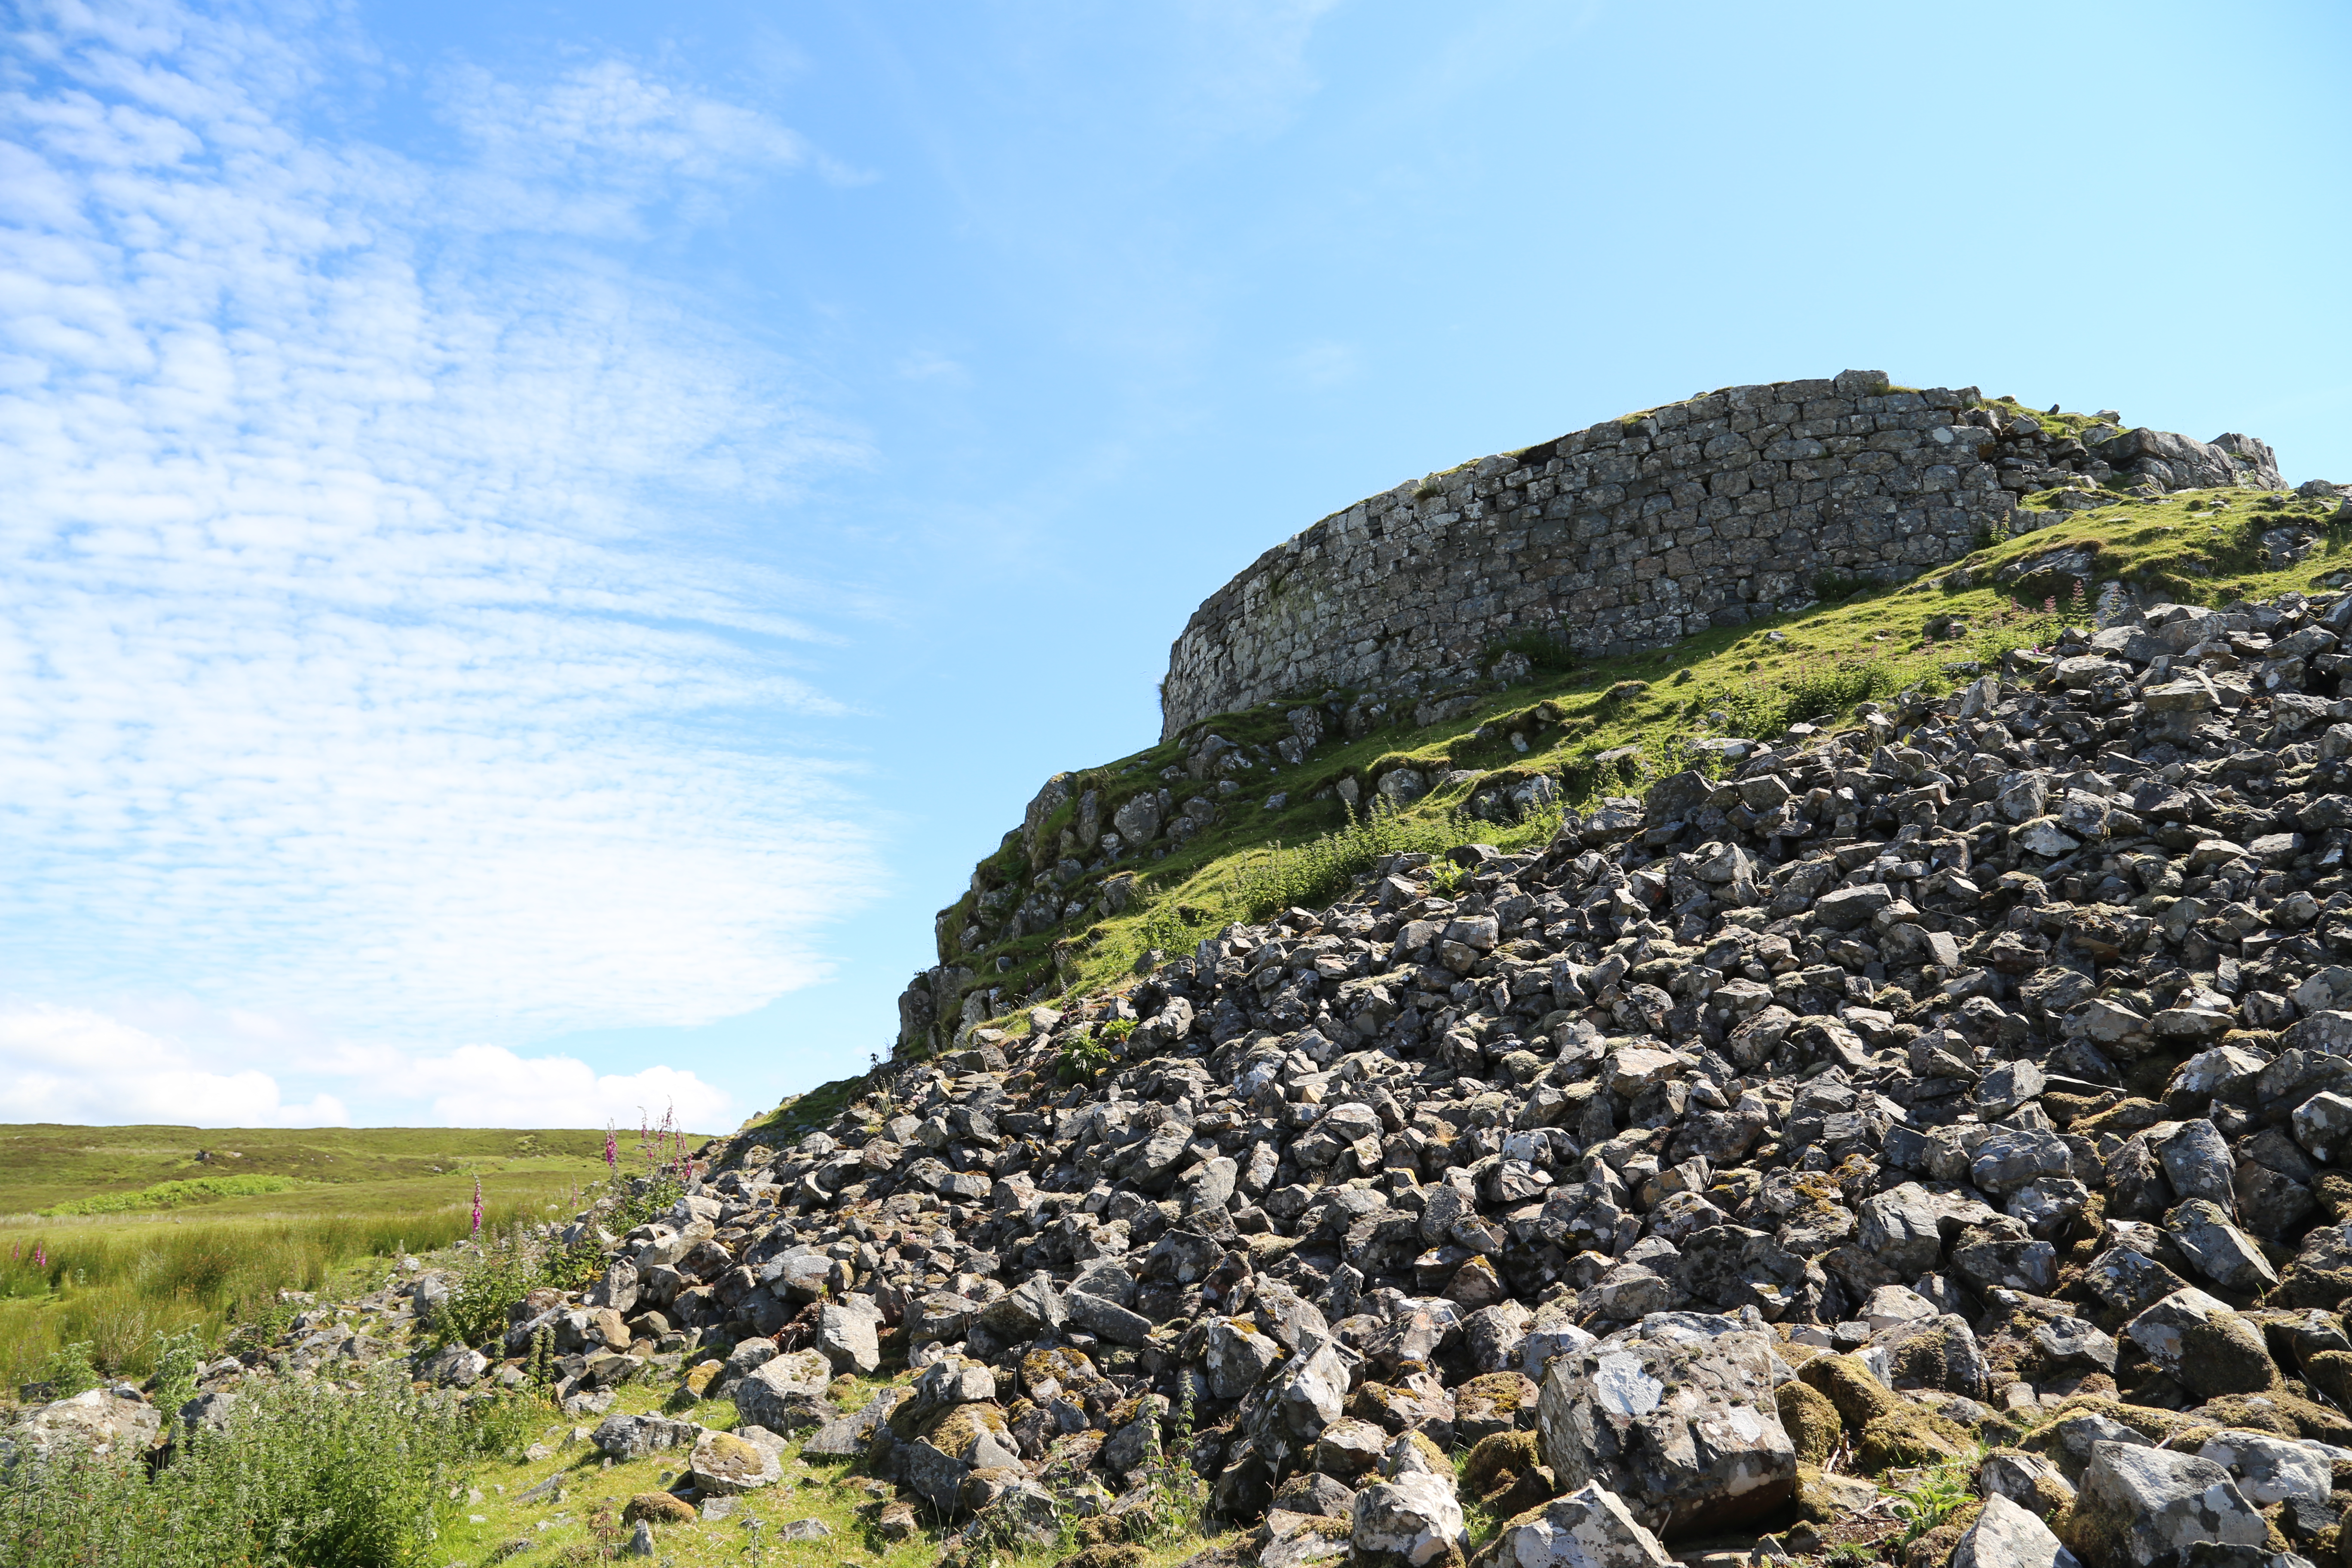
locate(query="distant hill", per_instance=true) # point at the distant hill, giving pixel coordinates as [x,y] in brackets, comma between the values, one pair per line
[45,1163]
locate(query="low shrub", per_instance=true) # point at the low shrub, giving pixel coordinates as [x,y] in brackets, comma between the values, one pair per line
[303,1472]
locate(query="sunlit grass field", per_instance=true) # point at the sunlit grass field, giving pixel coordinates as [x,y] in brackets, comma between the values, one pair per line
[348,1199]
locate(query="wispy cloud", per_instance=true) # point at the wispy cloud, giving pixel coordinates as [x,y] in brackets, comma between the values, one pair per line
[360,648]
[1324,364]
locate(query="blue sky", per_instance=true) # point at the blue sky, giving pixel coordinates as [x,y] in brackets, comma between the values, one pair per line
[543,540]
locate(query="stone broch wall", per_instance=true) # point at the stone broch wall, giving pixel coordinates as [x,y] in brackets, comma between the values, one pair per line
[1639,531]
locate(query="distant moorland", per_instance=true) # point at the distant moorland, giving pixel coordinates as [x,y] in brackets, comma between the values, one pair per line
[145,1239]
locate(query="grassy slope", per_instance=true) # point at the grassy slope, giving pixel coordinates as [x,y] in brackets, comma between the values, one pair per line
[2195,546]
[114,1281]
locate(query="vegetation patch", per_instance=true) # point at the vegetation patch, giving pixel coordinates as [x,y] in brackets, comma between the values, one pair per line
[173,1195]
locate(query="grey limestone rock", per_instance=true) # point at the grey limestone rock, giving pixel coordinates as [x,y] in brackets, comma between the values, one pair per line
[1588,1528]
[2007,1536]
[1679,1422]
[2151,1508]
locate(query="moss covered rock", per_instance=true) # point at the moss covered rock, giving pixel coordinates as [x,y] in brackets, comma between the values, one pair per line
[1910,1436]
[657,1507]
[1845,1381]
[1496,1463]
[1824,1498]
[2330,1372]
[1813,1421]
[1491,1404]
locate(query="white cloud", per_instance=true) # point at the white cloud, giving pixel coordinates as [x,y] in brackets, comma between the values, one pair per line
[484,1086]
[69,1064]
[926,365]
[189,1066]
[369,644]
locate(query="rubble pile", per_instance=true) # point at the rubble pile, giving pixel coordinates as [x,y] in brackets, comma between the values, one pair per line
[1972,1076]
[1964,1091]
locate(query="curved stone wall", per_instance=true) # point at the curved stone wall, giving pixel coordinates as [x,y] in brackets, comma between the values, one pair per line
[1641,531]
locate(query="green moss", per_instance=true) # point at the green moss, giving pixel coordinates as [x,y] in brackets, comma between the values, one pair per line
[1812,1421]
[1498,1461]
[1909,1436]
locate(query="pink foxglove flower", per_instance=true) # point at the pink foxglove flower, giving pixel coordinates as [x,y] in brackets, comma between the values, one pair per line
[477,1208]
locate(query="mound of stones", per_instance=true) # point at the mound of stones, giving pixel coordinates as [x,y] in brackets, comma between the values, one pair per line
[1967,1088]
[1964,1093]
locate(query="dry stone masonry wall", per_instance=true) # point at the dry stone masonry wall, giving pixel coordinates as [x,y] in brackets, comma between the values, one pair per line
[1639,531]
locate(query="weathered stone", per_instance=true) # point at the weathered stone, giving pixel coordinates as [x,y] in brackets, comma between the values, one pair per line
[1588,1528]
[2007,1536]
[625,1438]
[1409,1521]
[1676,1417]
[2203,1345]
[2148,1508]
[724,1463]
[847,1334]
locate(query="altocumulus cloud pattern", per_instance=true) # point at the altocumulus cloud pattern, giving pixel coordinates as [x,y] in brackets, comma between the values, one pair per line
[369,646]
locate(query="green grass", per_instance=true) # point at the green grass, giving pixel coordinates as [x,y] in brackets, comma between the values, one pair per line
[1873,642]
[45,1164]
[346,1200]
[174,1195]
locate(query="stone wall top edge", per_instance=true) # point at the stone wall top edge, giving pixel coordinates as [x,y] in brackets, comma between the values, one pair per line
[1604,432]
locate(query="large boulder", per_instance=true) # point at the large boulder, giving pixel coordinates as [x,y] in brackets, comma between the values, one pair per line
[1409,1521]
[848,1334]
[616,1287]
[1677,1418]
[1898,1227]
[727,1464]
[2156,1508]
[1307,1392]
[2203,1345]
[626,1437]
[1237,1357]
[2270,1468]
[454,1366]
[787,1393]
[1588,1528]
[102,1421]
[949,1448]
[2217,1248]
[2007,1536]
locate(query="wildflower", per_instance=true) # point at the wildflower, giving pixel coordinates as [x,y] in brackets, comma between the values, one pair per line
[2049,606]
[477,1208]
[611,1148]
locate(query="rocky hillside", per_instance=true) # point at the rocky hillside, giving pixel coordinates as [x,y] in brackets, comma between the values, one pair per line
[1927,1137]
[1920,1135]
